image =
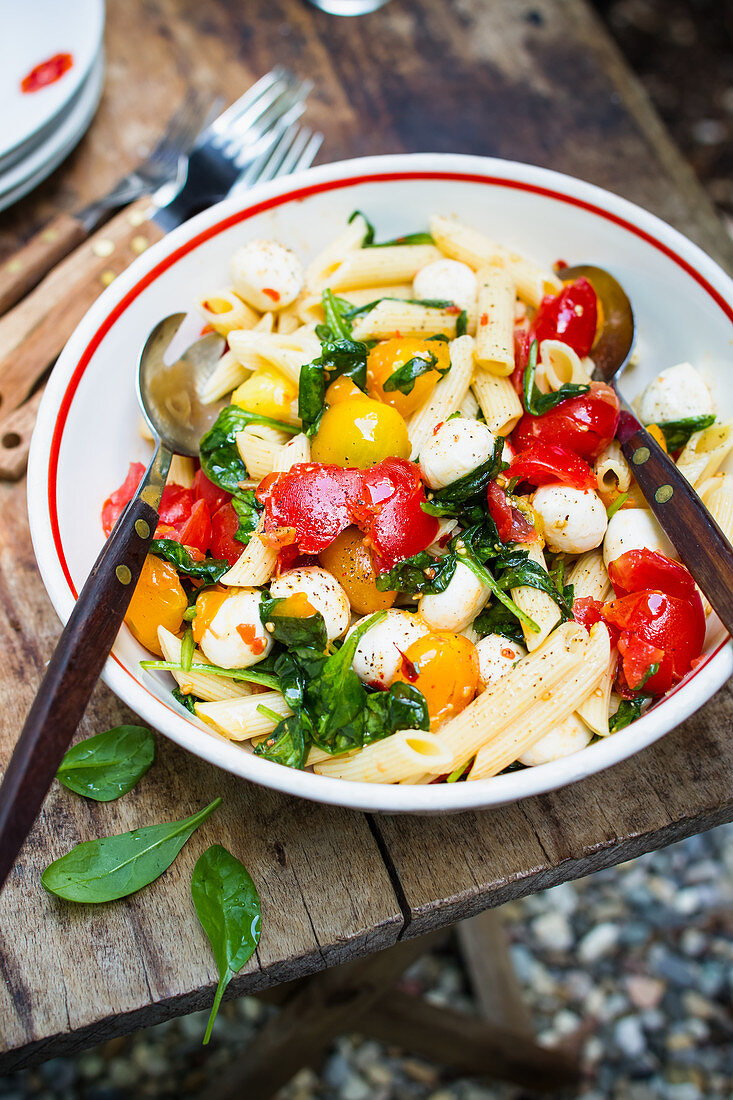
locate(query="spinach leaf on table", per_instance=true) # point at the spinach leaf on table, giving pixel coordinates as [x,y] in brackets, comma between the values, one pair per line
[535,402]
[228,907]
[209,570]
[109,764]
[114,866]
[677,432]
[220,458]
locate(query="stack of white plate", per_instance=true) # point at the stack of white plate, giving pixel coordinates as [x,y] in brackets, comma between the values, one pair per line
[40,126]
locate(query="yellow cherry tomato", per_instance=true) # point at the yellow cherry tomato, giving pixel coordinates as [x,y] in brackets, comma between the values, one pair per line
[388,355]
[444,667]
[158,600]
[268,392]
[348,559]
[360,432]
[342,389]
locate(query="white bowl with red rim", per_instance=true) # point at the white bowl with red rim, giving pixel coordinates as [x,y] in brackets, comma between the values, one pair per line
[87,430]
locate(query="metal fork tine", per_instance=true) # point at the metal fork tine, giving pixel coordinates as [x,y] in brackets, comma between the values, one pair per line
[310,152]
[183,126]
[302,136]
[250,147]
[248,130]
[278,76]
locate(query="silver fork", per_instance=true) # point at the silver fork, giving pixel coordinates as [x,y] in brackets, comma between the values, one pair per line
[294,150]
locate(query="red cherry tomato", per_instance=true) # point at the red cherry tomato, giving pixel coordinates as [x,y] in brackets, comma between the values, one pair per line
[522,344]
[667,624]
[511,525]
[194,531]
[585,424]
[175,505]
[570,316]
[314,498]
[203,489]
[115,503]
[547,463]
[643,569]
[395,525]
[224,525]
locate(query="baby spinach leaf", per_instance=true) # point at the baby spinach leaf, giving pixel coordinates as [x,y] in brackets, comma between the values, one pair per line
[311,394]
[115,866]
[287,744]
[470,560]
[247,675]
[228,906]
[248,509]
[515,569]
[404,378]
[429,303]
[451,500]
[109,764]
[629,710]
[340,355]
[209,570]
[368,237]
[309,630]
[535,402]
[409,238]
[497,619]
[403,707]
[220,459]
[677,432]
[421,574]
[186,699]
[461,323]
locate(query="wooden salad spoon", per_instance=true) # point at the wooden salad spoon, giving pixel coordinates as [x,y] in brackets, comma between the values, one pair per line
[169,401]
[698,539]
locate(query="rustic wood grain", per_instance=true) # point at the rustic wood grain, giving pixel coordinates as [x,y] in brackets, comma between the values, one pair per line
[533,80]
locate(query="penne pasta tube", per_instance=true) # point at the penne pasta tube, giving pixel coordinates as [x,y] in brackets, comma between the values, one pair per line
[404,753]
[612,470]
[225,377]
[365,267]
[594,710]
[550,709]
[495,321]
[705,452]
[288,320]
[181,471]
[255,566]
[296,450]
[287,353]
[260,448]
[498,400]
[204,685]
[469,407]
[558,365]
[447,396]
[224,310]
[460,242]
[406,318]
[538,605]
[507,701]
[717,495]
[242,719]
[589,577]
[328,260]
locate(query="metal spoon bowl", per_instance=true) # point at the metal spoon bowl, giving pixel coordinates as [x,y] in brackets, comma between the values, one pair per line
[169,400]
[700,543]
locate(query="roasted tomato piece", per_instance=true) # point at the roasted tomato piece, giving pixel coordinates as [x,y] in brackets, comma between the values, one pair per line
[670,624]
[648,570]
[176,505]
[224,526]
[570,316]
[203,489]
[395,525]
[115,503]
[585,424]
[314,498]
[548,463]
[194,531]
[511,525]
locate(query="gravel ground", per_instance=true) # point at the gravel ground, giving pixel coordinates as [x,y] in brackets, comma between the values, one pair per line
[634,963]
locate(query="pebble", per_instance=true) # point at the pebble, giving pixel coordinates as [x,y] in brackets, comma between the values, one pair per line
[629,1036]
[552,930]
[644,992]
[597,943]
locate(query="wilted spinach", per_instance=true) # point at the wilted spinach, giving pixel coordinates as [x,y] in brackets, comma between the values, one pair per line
[409,238]
[452,500]
[340,355]
[248,509]
[220,458]
[109,764]
[186,699]
[535,402]
[629,710]
[404,378]
[209,570]
[677,432]
[228,906]
[114,866]
[421,574]
[293,631]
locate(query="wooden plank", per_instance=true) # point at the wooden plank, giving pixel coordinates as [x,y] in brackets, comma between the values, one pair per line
[76,974]
[484,946]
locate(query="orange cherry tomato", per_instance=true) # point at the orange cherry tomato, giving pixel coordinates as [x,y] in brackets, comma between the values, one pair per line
[348,559]
[444,667]
[342,389]
[158,600]
[388,355]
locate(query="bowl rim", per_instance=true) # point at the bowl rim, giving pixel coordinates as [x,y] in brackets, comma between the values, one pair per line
[690,694]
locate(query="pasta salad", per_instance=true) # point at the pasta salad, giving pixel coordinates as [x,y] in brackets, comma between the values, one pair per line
[412,550]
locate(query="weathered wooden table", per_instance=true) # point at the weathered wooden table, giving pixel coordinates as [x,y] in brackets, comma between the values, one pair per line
[534,80]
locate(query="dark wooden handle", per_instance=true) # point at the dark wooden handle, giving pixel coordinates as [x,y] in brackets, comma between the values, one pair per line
[22,271]
[71,675]
[33,333]
[700,543]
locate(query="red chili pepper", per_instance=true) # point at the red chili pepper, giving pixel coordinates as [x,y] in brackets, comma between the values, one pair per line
[511,525]
[548,463]
[48,72]
[570,316]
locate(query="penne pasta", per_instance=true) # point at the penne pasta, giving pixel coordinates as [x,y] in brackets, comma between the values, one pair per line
[327,261]
[498,401]
[406,318]
[204,685]
[242,719]
[366,267]
[594,710]
[405,753]
[287,353]
[224,310]
[225,377]
[296,450]
[540,607]
[495,321]
[260,448]
[588,576]
[255,566]
[612,471]
[181,471]
[447,396]
[559,365]
[705,453]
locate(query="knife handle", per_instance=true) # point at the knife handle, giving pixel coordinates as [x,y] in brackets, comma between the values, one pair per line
[35,259]
[33,333]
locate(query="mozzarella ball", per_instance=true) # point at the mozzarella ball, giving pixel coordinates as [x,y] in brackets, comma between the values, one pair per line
[574,519]
[448,279]
[674,394]
[378,656]
[267,275]
[570,736]
[634,529]
[323,592]
[235,637]
[458,605]
[496,656]
[457,448]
